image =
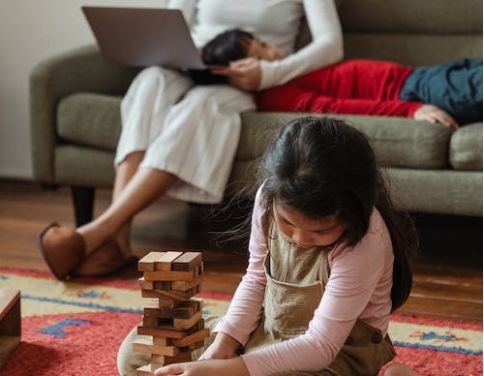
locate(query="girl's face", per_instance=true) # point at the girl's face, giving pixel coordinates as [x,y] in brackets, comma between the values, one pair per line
[264,51]
[306,232]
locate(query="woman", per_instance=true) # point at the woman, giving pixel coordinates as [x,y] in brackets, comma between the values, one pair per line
[179,139]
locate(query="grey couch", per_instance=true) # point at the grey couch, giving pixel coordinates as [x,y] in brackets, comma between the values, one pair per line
[75,120]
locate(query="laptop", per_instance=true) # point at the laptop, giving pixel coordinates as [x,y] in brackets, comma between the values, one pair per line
[142,37]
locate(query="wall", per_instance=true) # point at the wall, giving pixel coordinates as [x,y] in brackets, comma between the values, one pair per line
[31,31]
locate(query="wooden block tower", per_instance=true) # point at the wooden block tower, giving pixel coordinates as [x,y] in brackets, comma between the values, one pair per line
[174,319]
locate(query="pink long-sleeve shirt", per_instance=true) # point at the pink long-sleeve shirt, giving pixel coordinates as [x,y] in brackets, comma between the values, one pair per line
[359,286]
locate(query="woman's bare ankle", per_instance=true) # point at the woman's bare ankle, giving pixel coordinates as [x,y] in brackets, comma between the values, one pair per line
[95,234]
[124,245]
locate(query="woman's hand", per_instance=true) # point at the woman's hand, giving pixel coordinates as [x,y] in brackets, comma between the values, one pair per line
[230,367]
[223,347]
[246,74]
[434,114]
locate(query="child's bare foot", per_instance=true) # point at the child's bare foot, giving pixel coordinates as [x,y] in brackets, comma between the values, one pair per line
[399,369]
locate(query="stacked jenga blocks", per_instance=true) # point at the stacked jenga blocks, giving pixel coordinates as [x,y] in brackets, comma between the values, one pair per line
[174,319]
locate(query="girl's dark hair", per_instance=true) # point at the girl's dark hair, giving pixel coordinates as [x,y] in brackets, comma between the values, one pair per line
[228,46]
[321,166]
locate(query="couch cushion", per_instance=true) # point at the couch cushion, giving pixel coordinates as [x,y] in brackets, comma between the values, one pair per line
[466,148]
[410,32]
[85,167]
[398,142]
[442,191]
[412,16]
[90,120]
[412,49]
[94,120]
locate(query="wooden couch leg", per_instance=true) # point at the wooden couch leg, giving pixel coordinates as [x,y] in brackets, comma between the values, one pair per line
[83,199]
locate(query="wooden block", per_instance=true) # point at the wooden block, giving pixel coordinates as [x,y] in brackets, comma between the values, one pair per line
[187,323]
[155,366]
[198,302]
[10,303]
[185,285]
[162,341]
[146,345]
[162,331]
[161,285]
[195,346]
[199,326]
[184,311]
[188,261]
[199,269]
[10,327]
[150,322]
[161,360]
[147,263]
[144,371]
[192,338]
[145,285]
[164,263]
[188,326]
[170,276]
[7,345]
[178,295]
[163,301]
[175,295]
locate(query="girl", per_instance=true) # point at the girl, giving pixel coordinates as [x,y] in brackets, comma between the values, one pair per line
[328,264]
[449,93]
[179,138]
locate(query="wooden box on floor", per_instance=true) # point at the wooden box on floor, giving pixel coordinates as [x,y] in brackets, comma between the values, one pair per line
[10,329]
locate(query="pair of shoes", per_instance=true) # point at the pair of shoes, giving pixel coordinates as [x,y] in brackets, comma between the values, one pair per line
[63,249]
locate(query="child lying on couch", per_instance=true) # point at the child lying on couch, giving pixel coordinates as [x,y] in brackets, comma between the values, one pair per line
[449,93]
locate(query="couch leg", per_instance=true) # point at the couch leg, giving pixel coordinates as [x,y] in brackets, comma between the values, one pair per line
[49,187]
[83,199]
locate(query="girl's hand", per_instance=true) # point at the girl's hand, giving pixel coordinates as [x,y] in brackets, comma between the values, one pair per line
[434,114]
[232,367]
[245,73]
[223,347]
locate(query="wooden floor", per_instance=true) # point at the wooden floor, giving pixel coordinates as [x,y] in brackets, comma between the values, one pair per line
[447,269]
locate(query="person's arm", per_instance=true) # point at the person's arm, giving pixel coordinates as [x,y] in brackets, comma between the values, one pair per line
[434,114]
[252,74]
[354,276]
[244,312]
[290,98]
[326,47]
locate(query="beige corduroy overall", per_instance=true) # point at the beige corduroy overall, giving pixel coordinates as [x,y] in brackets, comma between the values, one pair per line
[296,278]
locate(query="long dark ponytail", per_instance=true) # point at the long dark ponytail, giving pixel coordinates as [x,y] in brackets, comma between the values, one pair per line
[321,166]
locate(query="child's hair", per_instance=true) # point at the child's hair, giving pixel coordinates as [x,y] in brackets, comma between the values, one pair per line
[321,166]
[226,47]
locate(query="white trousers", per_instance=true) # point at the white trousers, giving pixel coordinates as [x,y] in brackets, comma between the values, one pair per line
[189,131]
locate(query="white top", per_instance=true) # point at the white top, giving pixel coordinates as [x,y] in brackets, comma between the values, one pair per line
[274,21]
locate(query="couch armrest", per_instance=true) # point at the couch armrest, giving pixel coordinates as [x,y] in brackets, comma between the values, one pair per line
[80,70]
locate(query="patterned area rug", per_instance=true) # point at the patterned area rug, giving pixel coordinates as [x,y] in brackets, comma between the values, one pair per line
[75,328]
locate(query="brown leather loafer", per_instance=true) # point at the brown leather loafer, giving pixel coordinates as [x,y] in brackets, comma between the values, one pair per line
[104,261]
[63,249]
